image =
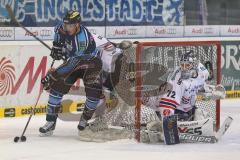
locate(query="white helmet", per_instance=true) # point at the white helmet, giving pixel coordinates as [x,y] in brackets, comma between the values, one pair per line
[188,65]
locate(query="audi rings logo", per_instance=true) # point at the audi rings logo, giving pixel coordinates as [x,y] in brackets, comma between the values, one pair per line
[6,33]
[132,31]
[172,31]
[45,33]
[208,30]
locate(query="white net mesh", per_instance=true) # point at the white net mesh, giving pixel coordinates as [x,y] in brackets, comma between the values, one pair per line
[157,59]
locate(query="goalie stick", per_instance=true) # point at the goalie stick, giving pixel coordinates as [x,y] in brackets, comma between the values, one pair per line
[225,126]
[213,139]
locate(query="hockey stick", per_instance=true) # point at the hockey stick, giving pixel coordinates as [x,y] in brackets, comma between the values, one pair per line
[224,127]
[22,137]
[11,14]
[208,139]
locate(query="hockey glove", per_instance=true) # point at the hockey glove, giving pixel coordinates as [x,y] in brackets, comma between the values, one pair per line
[48,80]
[57,52]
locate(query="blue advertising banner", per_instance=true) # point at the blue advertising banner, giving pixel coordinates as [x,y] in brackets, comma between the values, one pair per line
[46,13]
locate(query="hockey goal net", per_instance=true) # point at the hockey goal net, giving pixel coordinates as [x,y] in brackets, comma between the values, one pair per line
[144,66]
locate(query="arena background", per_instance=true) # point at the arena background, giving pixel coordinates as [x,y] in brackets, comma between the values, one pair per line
[24,61]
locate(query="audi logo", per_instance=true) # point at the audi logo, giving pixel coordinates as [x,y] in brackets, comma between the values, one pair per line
[208,30]
[6,33]
[132,31]
[172,31]
[45,32]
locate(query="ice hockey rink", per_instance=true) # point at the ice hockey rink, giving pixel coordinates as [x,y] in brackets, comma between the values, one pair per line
[66,145]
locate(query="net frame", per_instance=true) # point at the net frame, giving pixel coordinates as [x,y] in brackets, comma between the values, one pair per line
[138,83]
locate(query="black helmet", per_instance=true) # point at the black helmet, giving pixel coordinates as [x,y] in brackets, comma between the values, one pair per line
[72,17]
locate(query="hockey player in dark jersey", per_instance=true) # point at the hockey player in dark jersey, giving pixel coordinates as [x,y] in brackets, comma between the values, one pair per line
[74,44]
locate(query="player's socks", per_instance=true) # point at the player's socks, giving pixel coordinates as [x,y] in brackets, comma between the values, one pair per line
[89,109]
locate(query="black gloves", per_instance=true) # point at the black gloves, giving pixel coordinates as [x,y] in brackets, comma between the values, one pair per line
[58,52]
[48,80]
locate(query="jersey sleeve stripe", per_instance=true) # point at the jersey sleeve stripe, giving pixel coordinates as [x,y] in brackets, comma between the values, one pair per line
[108,46]
[169,100]
[86,35]
[166,106]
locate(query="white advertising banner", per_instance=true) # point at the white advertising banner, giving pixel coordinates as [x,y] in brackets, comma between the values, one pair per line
[125,31]
[165,31]
[118,32]
[201,31]
[97,30]
[44,33]
[6,33]
[233,30]
[21,69]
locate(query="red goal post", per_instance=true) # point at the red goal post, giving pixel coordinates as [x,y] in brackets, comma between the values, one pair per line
[206,51]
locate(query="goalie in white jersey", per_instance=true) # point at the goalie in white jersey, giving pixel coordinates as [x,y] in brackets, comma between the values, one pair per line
[187,80]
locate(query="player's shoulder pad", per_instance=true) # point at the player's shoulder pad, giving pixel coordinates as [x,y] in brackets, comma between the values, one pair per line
[201,67]
[84,29]
[202,71]
[88,34]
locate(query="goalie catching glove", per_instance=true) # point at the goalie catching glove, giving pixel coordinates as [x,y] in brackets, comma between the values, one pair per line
[213,92]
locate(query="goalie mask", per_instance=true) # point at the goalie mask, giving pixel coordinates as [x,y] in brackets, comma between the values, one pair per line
[188,65]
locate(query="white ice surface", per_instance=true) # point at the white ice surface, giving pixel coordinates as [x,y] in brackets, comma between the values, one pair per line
[65,144]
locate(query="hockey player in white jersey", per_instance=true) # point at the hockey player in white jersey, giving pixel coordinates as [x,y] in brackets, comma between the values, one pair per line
[111,54]
[187,80]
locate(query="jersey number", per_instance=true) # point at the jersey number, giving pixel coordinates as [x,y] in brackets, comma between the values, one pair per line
[171,94]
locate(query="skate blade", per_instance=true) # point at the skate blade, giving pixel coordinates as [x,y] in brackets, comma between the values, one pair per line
[47,134]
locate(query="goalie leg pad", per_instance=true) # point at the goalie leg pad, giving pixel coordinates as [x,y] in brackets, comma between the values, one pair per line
[170,130]
[155,132]
[200,114]
[202,127]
